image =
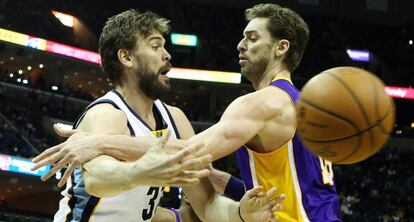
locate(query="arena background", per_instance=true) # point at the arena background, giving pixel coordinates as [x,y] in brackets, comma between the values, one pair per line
[45,77]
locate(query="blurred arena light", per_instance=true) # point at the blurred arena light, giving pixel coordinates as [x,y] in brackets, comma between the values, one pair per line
[400,92]
[55,88]
[25,81]
[65,19]
[48,46]
[20,165]
[184,39]
[205,75]
[358,55]
[410,42]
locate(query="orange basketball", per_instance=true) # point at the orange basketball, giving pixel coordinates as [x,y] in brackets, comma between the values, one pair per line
[344,115]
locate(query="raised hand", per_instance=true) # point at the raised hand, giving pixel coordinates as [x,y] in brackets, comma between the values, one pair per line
[257,206]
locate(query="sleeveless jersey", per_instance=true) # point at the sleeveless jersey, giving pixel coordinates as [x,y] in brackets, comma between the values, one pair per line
[134,205]
[306,179]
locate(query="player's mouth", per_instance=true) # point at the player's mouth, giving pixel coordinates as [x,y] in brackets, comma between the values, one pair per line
[164,70]
[242,60]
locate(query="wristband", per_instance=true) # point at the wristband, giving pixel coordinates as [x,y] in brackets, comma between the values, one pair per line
[235,189]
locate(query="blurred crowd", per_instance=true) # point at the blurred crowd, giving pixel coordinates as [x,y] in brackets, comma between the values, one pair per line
[378,189]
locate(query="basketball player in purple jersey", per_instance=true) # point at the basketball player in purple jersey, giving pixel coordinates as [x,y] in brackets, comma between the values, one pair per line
[261,125]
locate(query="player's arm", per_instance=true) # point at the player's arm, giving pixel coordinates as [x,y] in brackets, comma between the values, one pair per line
[166,215]
[226,184]
[247,117]
[210,206]
[184,214]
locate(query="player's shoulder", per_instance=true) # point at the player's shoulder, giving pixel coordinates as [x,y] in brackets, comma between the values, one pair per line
[175,112]
[105,116]
[181,121]
[270,97]
[107,111]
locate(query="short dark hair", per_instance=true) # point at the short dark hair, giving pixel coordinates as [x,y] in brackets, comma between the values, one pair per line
[286,24]
[121,32]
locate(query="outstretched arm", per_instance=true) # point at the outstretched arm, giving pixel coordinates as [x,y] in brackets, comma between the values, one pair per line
[259,114]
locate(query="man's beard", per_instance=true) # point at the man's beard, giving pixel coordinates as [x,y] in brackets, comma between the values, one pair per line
[255,70]
[149,83]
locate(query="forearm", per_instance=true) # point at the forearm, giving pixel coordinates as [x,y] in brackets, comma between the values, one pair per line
[210,206]
[125,147]
[228,185]
[164,215]
[105,176]
[221,139]
[219,180]
[222,209]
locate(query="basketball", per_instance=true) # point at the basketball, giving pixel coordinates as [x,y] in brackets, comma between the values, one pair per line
[344,115]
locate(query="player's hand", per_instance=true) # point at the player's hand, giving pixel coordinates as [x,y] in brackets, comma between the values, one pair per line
[79,148]
[257,206]
[156,167]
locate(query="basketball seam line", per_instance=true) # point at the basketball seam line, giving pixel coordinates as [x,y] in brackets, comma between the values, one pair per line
[339,117]
[358,103]
[354,97]
[359,139]
[356,134]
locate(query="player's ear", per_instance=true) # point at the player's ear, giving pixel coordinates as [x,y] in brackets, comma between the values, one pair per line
[281,47]
[125,58]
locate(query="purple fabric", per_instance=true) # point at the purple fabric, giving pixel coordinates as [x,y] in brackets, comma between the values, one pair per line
[244,166]
[235,189]
[176,213]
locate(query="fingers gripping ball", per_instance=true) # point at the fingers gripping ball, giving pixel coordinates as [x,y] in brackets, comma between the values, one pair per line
[344,115]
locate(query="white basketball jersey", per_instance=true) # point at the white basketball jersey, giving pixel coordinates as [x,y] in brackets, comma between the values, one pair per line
[135,205]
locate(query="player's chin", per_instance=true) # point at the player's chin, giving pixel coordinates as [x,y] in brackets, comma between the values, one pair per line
[165,84]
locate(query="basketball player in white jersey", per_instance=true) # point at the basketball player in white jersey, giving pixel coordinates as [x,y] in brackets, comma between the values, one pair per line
[105,189]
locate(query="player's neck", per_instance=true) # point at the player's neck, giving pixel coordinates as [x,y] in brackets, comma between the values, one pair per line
[136,99]
[272,72]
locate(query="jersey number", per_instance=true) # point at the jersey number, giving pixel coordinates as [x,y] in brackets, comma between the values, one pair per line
[153,193]
[327,172]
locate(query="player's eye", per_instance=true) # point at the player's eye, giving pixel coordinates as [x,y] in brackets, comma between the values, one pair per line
[253,38]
